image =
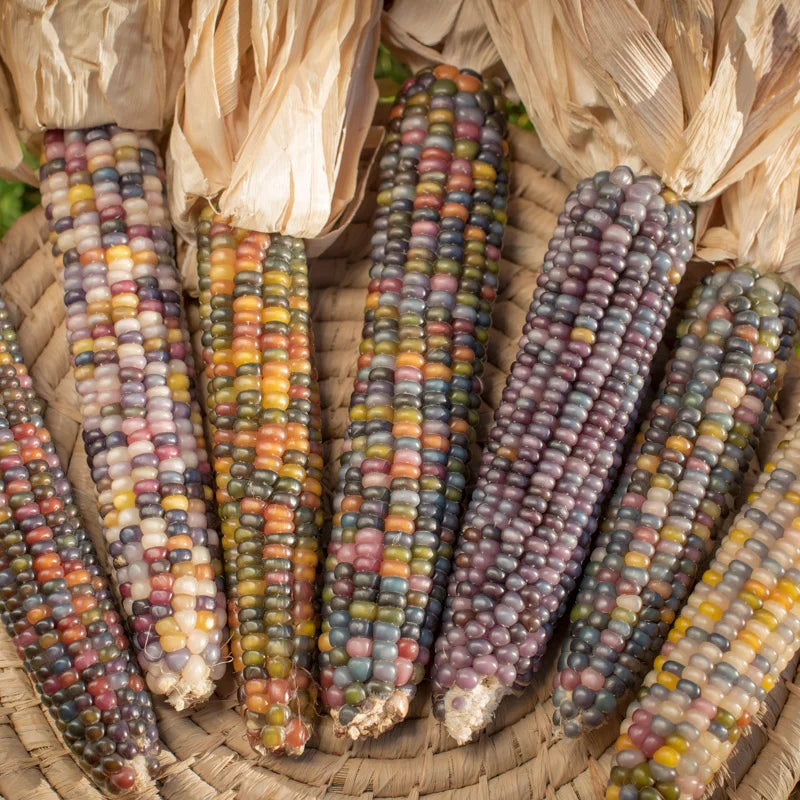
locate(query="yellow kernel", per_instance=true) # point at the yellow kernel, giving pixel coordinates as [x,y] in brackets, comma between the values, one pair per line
[792,497]
[711,577]
[677,743]
[275,386]
[275,400]
[118,251]
[668,679]
[81,191]
[167,626]
[750,639]
[308,627]
[679,443]
[737,535]
[682,624]
[82,346]
[648,463]
[623,743]
[124,500]
[292,471]
[710,610]
[483,171]
[787,587]
[221,272]
[172,642]
[667,757]
[670,198]
[766,619]
[701,531]
[633,559]
[276,314]
[247,302]
[247,383]
[246,588]
[175,501]
[178,381]
[583,335]
[242,357]
[673,534]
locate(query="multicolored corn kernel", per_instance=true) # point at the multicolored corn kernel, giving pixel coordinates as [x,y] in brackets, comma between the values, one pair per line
[264,410]
[605,292]
[436,246]
[56,604]
[734,342]
[103,193]
[737,632]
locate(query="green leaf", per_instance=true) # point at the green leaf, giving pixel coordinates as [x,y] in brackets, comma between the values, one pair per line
[517,115]
[15,199]
[390,72]
[31,159]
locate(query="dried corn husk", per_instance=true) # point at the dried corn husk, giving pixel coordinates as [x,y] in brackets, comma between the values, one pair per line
[706,94]
[77,63]
[422,33]
[758,216]
[276,104]
[12,165]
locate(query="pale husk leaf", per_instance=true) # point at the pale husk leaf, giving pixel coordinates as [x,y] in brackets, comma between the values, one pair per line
[275,106]
[759,221]
[422,34]
[77,63]
[701,93]
[12,165]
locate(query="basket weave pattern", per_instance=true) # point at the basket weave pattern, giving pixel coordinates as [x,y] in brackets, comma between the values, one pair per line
[207,755]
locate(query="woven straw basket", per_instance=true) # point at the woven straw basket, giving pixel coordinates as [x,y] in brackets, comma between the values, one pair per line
[207,755]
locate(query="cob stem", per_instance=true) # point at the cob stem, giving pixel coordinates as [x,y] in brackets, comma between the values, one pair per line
[712,408]
[265,416]
[414,408]
[56,603]
[103,192]
[603,299]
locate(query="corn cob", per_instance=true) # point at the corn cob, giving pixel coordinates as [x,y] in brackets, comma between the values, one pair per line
[265,415]
[103,192]
[735,339]
[55,602]
[436,247]
[604,295]
[726,650]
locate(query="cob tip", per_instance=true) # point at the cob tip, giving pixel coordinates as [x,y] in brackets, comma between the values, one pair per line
[143,779]
[375,717]
[188,689]
[189,695]
[468,712]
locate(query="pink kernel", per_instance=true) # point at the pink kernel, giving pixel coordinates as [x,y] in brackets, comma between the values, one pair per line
[359,647]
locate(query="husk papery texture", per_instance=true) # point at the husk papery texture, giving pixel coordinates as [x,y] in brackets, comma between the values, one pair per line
[700,93]
[421,33]
[275,105]
[207,756]
[79,63]
[756,221]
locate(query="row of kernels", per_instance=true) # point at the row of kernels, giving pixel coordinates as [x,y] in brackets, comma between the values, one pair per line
[54,596]
[141,423]
[738,628]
